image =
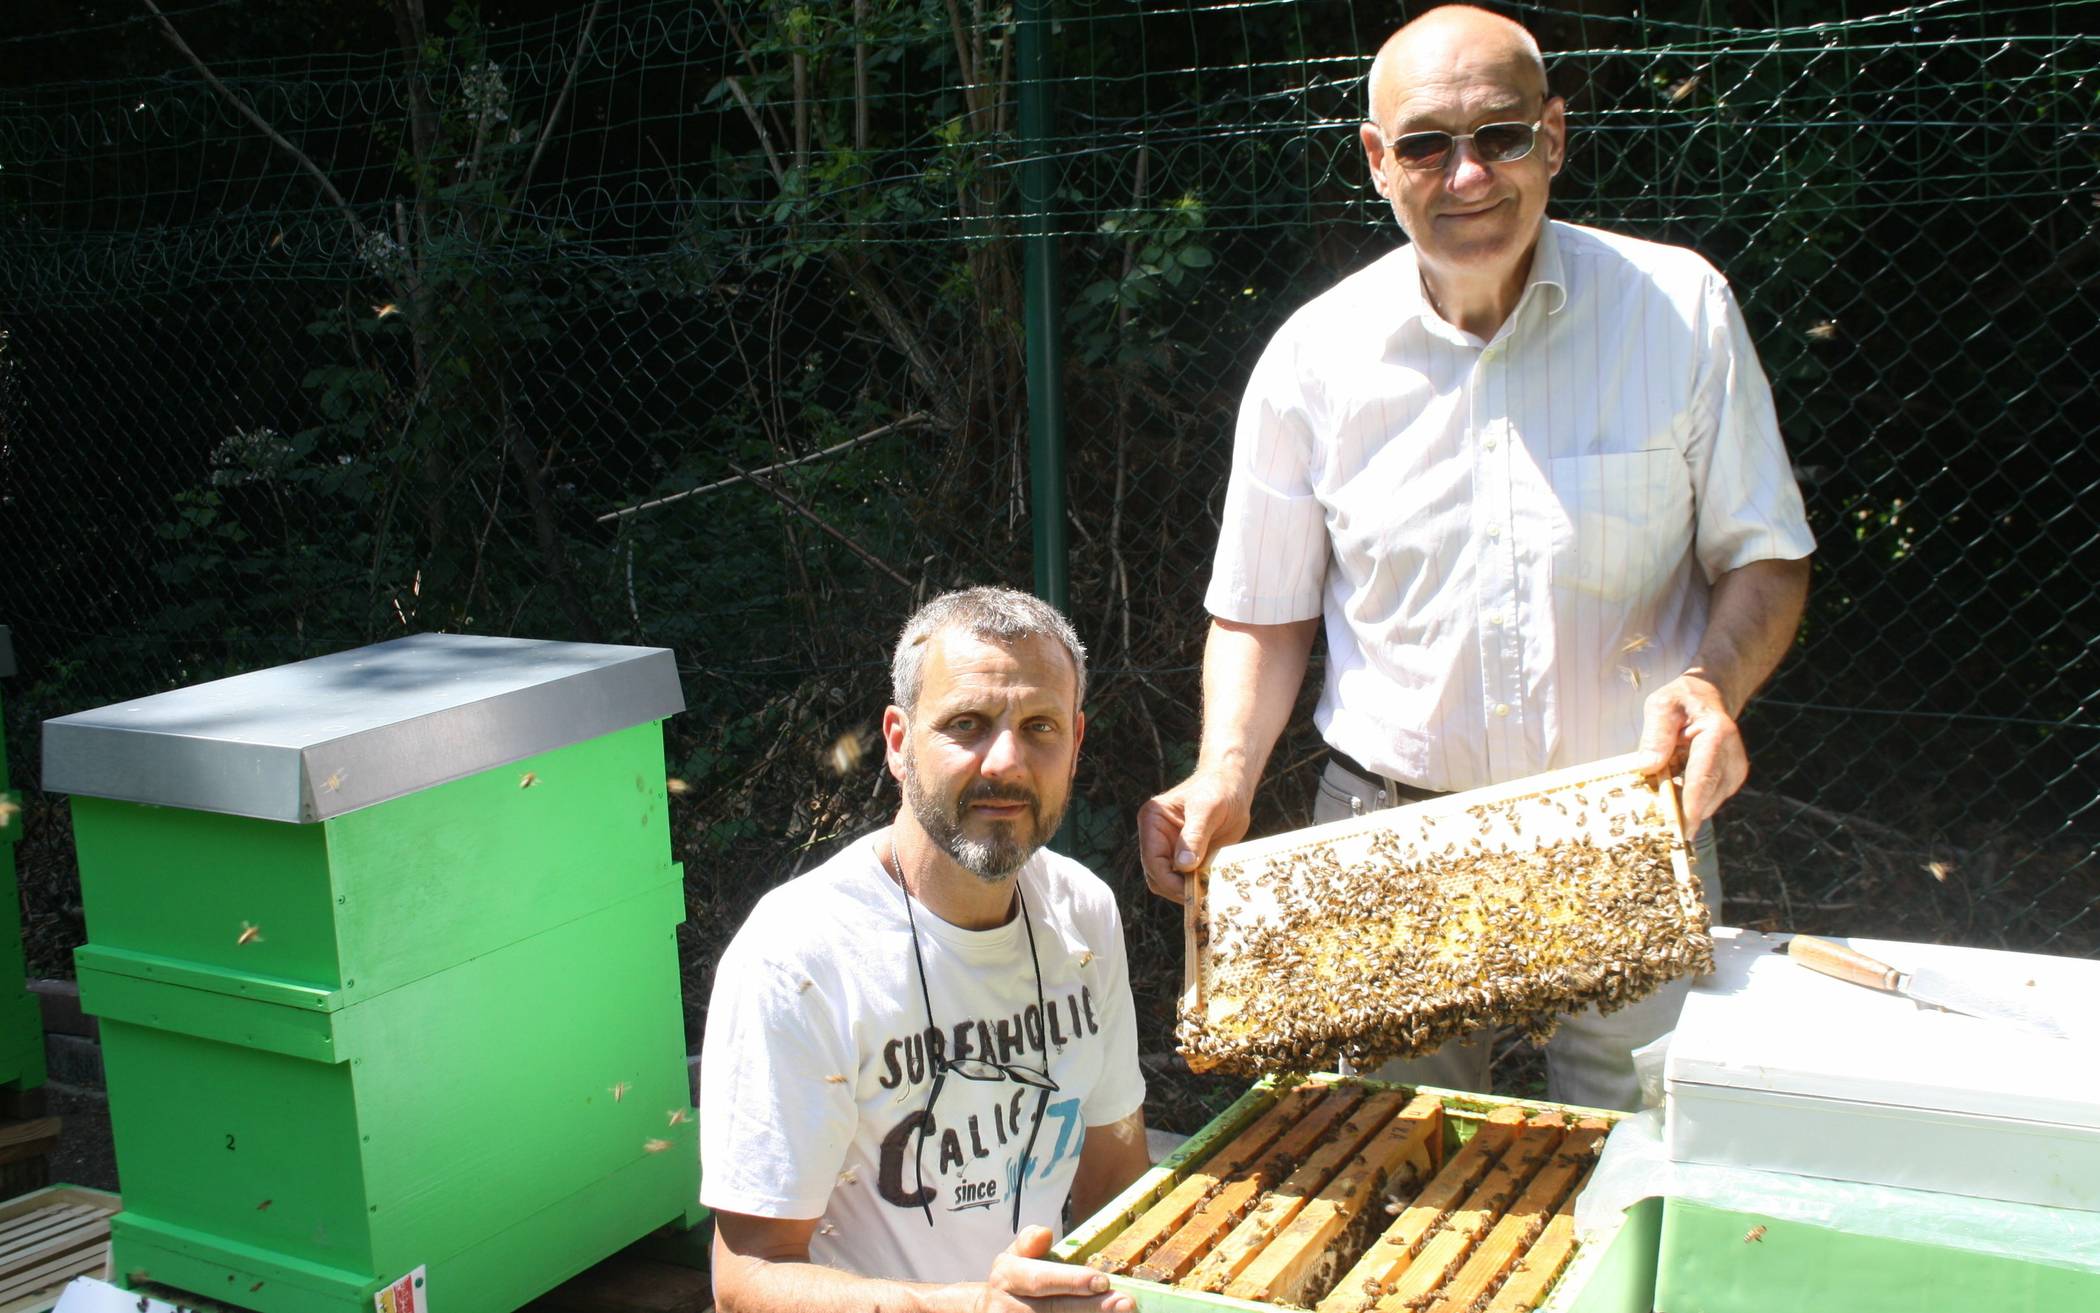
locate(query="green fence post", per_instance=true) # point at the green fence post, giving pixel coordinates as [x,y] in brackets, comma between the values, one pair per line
[1046,416]
[384,950]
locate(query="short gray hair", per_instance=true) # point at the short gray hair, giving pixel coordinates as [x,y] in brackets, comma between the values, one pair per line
[1005,615]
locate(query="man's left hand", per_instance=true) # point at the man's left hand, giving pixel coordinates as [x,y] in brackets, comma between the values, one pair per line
[1686,730]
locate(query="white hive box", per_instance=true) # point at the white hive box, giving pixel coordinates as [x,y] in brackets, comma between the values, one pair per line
[1776,1067]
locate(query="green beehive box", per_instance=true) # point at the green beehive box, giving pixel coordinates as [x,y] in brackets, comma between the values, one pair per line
[1609,1273]
[383,948]
[21,1024]
[1873,1249]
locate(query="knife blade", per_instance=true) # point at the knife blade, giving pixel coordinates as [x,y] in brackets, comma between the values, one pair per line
[1925,985]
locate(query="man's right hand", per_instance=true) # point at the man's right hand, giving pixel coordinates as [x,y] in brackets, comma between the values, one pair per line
[1179,830]
[1022,1279]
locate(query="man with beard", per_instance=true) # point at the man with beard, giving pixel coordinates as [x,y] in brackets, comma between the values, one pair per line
[918,1053]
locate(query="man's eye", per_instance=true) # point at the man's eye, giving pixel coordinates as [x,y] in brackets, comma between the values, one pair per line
[963,725]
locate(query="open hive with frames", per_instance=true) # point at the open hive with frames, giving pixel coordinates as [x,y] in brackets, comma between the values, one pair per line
[1387,934]
[1342,1195]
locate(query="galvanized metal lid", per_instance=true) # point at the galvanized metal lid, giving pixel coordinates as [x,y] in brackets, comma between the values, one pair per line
[315,739]
[7,652]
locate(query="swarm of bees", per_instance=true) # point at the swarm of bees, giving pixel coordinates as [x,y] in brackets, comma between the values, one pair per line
[1389,935]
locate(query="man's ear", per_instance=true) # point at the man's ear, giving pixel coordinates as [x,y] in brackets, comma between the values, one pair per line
[895,726]
[1553,122]
[1374,156]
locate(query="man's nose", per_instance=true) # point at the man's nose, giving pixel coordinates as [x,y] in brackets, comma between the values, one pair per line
[1002,757]
[1468,173]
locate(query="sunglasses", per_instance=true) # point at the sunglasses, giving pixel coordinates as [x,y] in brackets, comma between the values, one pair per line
[1494,143]
[979,1069]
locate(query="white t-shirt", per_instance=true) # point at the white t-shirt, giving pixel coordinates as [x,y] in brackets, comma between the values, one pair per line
[1512,541]
[814,1071]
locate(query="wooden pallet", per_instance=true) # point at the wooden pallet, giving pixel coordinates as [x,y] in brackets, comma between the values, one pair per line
[1387,934]
[48,1238]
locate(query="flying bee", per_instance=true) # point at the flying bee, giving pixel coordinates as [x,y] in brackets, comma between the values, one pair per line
[680,1116]
[835,1078]
[250,934]
[527,780]
[676,787]
[619,1091]
[655,1146]
[1753,1235]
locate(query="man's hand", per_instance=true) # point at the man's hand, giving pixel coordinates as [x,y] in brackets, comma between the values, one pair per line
[1688,725]
[1251,675]
[1180,829]
[1023,1280]
[1686,729]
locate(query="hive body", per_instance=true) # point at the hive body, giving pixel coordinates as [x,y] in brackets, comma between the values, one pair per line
[1399,1200]
[21,1023]
[435,1036]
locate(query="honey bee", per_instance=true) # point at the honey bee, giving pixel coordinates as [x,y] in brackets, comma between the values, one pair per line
[527,780]
[835,1078]
[619,1091]
[655,1146]
[264,1206]
[849,1177]
[1753,1235]
[333,782]
[250,934]
[676,787]
[680,1116]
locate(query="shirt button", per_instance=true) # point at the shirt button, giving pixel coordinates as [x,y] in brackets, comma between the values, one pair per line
[1489,443]
[1502,708]
[1495,619]
[1494,531]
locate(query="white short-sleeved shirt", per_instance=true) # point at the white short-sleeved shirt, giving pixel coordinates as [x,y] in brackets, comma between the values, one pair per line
[814,1071]
[1512,541]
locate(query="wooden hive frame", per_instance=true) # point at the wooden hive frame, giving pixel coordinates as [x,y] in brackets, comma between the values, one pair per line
[1474,1195]
[1387,934]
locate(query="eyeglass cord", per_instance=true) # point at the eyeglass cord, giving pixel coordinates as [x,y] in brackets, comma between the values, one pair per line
[1042,1100]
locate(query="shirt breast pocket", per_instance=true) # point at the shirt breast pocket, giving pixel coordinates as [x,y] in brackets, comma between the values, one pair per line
[1625,521]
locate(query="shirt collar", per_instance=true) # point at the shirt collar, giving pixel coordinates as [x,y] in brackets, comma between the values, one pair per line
[1547,279]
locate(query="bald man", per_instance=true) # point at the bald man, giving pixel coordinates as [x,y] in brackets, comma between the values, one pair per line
[1528,477]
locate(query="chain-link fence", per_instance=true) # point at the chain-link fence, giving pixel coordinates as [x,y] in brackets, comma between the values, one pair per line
[702,326]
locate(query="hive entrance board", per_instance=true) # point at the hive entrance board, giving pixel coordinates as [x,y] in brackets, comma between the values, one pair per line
[1387,934]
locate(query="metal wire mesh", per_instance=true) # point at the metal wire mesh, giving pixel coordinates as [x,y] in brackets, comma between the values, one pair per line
[701,326]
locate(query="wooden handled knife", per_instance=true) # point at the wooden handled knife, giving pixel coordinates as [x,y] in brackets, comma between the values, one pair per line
[1932,988]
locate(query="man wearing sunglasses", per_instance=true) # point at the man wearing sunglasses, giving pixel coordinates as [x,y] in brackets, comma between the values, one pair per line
[1530,477]
[919,1053]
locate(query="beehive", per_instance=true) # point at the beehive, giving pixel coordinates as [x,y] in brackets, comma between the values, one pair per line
[1388,934]
[1346,1196]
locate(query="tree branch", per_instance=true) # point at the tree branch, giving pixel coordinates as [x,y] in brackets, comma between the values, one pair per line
[304,161]
[561,101]
[786,499]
